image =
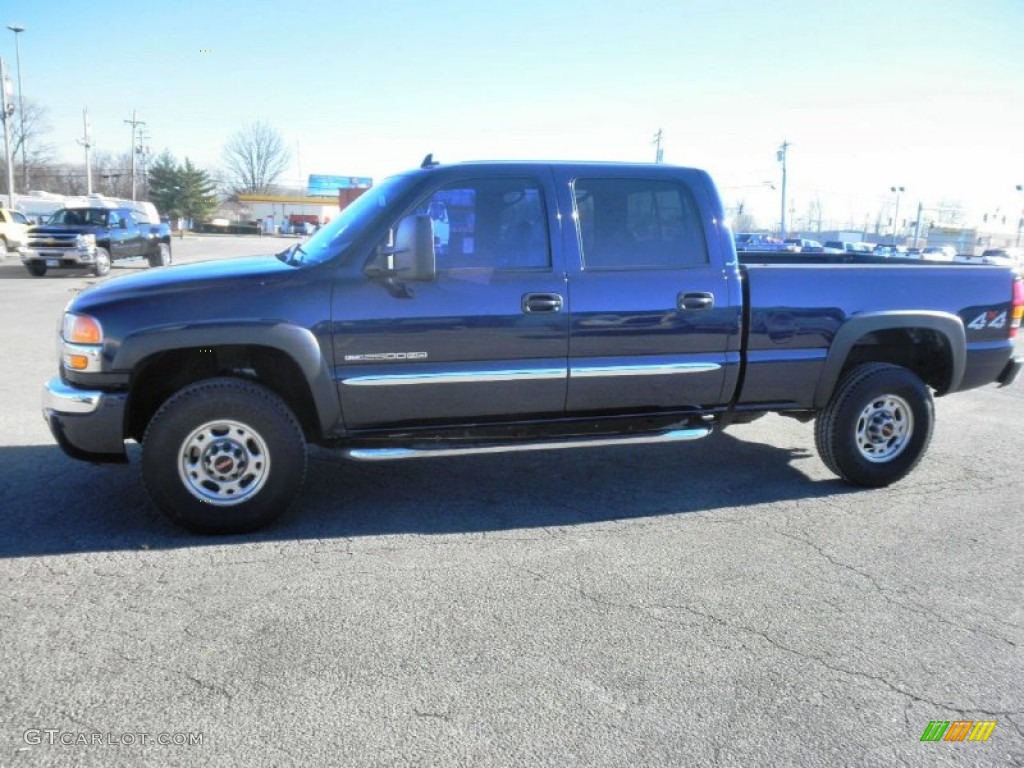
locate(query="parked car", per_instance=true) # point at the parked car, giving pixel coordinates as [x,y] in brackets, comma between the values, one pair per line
[802,245]
[938,253]
[632,321]
[1008,257]
[754,241]
[837,246]
[13,230]
[891,251]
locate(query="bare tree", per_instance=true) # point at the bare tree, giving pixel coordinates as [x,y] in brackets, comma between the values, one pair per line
[255,157]
[112,174]
[38,152]
[950,213]
[815,214]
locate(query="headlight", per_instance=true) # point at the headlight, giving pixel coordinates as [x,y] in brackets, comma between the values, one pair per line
[81,329]
[81,342]
[85,242]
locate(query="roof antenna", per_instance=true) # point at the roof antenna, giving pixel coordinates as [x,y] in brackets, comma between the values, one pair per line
[429,161]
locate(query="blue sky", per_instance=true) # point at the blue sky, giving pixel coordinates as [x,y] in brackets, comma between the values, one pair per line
[927,95]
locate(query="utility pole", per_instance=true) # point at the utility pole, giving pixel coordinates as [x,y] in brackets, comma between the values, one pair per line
[658,152]
[134,123]
[86,142]
[917,224]
[780,155]
[896,213]
[143,151]
[8,111]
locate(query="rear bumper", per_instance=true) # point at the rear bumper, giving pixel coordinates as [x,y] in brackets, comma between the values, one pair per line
[87,424]
[1010,371]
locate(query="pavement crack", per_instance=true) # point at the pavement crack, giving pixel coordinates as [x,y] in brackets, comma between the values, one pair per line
[774,643]
[885,592]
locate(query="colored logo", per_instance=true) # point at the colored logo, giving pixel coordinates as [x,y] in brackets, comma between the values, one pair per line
[958,730]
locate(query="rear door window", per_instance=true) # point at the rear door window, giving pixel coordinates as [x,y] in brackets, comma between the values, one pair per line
[627,223]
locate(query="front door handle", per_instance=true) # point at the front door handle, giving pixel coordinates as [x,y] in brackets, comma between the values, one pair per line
[695,301]
[534,303]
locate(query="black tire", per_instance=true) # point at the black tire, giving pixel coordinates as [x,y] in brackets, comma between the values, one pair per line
[223,426]
[36,268]
[102,265]
[162,257]
[877,425]
[3,248]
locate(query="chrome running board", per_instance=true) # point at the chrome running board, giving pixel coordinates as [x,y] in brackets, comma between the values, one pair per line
[393,454]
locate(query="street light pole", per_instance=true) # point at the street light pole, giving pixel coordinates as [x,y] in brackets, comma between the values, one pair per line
[896,213]
[17,29]
[780,155]
[5,114]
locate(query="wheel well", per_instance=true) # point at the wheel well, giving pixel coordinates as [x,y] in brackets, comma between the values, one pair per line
[161,375]
[924,351]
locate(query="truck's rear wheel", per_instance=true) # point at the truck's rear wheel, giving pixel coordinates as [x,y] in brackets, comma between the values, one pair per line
[36,268]
[102,264]
[162,257]
[223,456]
[877,426]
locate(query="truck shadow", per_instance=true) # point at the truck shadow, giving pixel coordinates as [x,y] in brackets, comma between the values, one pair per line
[55,505]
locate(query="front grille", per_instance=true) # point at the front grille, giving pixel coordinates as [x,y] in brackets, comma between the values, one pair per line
[51,241]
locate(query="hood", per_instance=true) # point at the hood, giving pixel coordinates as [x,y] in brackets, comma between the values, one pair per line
[221,275]
[65,229]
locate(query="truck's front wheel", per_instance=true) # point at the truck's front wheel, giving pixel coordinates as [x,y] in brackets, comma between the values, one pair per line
[223,456]
[877,426]
[162,257]
[36,268]
[102,265]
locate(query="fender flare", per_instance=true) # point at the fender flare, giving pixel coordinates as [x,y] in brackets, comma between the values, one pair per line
[947,325]
[296,342]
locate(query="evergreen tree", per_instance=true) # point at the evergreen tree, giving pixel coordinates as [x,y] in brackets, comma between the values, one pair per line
[181,189]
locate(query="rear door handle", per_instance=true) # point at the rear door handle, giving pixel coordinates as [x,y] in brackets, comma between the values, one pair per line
[695,301]
[534,303]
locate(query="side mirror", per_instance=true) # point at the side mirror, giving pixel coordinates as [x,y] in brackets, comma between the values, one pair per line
[411,256]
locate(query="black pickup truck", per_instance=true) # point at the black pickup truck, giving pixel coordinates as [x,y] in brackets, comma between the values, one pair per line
[561,305]
[93,236]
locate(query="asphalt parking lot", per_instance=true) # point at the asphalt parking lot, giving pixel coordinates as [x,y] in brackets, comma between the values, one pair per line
[726,602]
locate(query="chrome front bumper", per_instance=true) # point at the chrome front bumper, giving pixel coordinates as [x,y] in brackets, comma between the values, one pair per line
[87,424]
[57,257]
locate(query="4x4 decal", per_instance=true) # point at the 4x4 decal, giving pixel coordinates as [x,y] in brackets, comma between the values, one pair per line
[988,320]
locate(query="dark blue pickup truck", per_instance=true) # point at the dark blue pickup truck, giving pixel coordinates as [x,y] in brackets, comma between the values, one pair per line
[486,307]
[92,236]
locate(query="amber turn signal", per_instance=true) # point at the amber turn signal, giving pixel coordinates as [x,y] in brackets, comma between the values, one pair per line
[77,362]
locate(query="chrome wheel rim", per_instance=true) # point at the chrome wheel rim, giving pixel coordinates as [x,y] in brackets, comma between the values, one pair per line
[102,261]
[884,428]
[224,463]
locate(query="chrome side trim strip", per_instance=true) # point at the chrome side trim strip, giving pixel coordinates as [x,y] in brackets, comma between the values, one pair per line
[590,371]
[523,374]
[456,377]
[59,397]
[392,454]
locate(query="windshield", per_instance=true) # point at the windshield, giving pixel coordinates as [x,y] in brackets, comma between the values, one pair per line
[77,217]
[333,238]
